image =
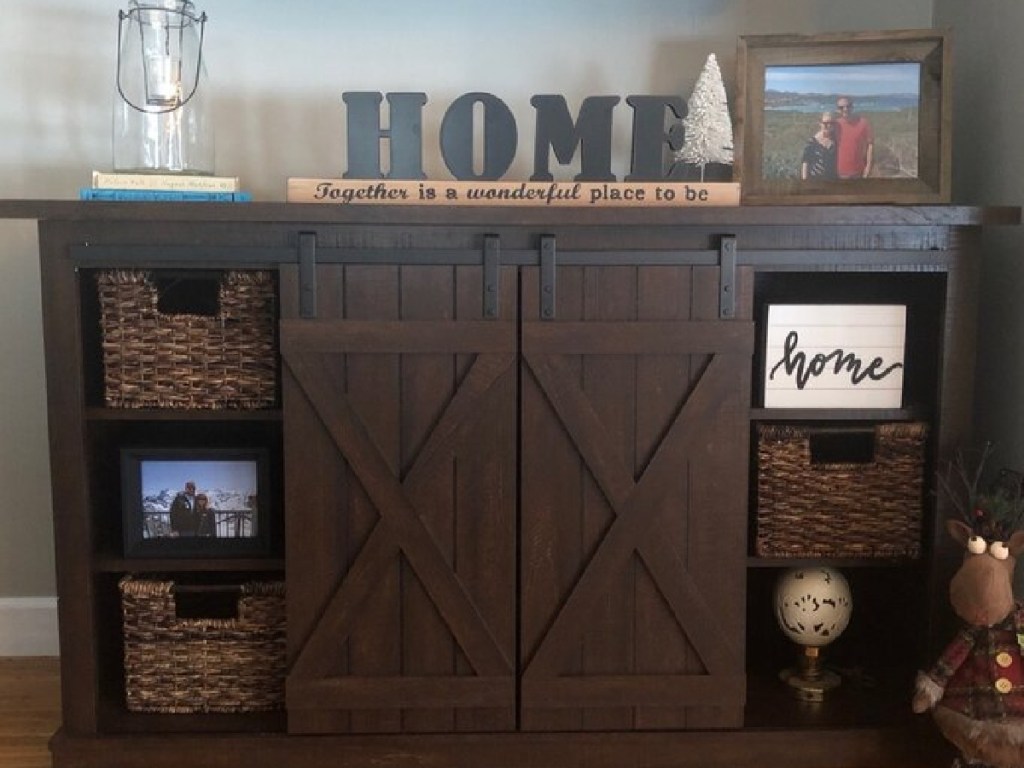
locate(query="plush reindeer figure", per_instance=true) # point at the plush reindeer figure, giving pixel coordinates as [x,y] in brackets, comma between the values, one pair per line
[976,689]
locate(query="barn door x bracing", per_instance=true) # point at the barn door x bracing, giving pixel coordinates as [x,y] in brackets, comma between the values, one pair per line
[404,409]
[633,502]
[400,471]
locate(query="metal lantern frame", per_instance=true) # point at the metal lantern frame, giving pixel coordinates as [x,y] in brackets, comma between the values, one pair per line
[187,18]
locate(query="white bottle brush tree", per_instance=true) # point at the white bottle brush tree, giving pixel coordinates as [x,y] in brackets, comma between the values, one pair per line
[708,137]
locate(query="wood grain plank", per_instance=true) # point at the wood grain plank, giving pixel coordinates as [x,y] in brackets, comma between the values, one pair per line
[30,705]
[663,294]
[315,478]
[604,694]
[551,487]
[372,386]
[485,500]
[879,747]
[718,507]
[427,385]
[73,517]
[647,337]
[418,696]
[609,384]
[380,337]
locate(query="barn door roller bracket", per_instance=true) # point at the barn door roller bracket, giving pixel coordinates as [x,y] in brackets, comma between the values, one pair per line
[307,275]
[492,276]
[547,277]
[727,277]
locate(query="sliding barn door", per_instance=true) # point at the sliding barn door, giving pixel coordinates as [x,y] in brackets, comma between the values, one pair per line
[400,444]
[633,501]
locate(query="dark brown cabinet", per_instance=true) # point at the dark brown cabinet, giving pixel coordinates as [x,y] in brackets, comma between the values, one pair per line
[511,466]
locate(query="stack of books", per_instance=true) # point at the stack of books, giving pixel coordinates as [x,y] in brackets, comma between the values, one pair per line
[163,186]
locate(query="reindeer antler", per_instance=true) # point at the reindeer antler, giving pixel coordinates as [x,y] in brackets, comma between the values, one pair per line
[960,483]
[994,513]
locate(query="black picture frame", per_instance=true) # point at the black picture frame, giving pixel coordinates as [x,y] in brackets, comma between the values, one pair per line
[236,482]
[927,180]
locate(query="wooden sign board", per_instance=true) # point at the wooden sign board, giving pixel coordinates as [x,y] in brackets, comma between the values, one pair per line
[834,356]
[578,194]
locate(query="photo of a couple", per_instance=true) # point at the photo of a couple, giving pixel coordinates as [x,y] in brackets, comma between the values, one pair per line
[199,498]
[841,122]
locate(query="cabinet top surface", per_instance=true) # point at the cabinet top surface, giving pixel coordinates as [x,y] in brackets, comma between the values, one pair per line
[750,215]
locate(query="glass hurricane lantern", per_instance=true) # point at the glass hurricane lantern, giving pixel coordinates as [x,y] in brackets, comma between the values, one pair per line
[161,117]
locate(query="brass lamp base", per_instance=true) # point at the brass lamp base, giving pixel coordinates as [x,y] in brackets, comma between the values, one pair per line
[810,682]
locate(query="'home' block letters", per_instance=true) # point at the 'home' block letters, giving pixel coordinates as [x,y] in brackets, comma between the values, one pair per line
[556,131]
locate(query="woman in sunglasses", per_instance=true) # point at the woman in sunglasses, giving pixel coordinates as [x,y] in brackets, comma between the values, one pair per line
[819,158]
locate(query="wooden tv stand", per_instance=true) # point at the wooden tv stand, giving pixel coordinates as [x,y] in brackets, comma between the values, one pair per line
[511,462]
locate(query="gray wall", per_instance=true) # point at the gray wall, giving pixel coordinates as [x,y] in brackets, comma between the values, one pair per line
[988,169]
[278,70]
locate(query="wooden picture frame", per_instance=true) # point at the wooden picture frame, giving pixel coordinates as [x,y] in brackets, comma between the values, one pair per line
[235,483]
[903,82]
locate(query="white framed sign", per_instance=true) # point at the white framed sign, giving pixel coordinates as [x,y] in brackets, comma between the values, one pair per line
[834,355]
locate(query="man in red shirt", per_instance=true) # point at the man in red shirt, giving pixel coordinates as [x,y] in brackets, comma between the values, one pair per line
[855,142]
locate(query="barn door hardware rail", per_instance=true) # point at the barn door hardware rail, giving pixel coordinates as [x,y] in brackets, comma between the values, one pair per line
[727,277]
[492,275]
[307,275]
[547,277]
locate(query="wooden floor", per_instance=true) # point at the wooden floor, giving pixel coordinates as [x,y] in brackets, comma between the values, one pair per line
[29,710]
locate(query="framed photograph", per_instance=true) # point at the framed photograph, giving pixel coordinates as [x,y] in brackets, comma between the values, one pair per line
[844,118]
[181,502]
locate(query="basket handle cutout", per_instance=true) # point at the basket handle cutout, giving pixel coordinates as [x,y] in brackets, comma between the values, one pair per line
[188,294]
[843,447]
[220,602]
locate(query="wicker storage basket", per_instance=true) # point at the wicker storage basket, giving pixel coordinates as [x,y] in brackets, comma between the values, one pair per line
[175,665]
[864,509]
[157,360]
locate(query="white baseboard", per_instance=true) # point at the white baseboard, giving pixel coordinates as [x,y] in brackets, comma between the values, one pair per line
[28,626]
